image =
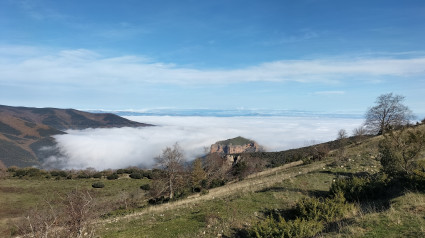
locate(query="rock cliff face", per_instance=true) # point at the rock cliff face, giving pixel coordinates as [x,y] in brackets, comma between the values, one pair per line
[235,146]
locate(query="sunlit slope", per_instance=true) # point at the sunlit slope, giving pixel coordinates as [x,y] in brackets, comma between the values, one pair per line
[24,130]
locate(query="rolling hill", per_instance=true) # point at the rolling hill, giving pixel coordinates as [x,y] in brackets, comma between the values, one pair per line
[24,131]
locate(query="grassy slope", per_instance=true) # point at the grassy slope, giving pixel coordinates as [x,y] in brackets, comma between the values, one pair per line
[20,195]
[234,209]
[228,210]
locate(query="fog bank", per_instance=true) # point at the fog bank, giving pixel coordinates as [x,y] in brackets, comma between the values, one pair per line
[122,147]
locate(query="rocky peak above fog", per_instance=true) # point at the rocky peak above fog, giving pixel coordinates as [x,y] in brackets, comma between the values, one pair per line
[235,145]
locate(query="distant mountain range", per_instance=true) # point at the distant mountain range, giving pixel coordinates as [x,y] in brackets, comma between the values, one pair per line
[229,113]
[24,131]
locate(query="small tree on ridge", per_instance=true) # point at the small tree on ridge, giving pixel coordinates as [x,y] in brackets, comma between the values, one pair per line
[389,112]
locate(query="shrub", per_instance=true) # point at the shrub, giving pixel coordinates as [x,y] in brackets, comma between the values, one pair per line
[281,228]
[360,189]
[112,176]
[120,171]
[217,183]
[97,175]
[158,200]
[83,176]
[12,169]
[145,187]
[148,174]
[98,185]
[400,151]
[19,173]
[136,175]
[58,173]
[30,172]
[327,210]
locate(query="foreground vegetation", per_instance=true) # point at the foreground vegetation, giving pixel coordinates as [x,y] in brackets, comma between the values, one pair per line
[362,186]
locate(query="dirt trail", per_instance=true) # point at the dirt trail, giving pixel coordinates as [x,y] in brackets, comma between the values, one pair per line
[252,183]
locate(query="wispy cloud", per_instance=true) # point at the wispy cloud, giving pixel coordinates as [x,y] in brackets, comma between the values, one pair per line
[302,35]
[36,12]
[85,67]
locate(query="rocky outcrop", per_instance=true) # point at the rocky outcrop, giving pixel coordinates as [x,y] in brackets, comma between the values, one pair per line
[235,146]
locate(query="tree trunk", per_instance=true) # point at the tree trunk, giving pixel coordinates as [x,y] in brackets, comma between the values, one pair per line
[171,187]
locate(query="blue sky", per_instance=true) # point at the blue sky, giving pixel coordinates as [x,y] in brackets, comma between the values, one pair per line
[315,55]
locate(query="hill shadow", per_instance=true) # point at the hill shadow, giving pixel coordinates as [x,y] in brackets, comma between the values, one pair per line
[310,193]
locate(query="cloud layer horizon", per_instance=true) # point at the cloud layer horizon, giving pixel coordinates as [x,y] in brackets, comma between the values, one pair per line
[115,148]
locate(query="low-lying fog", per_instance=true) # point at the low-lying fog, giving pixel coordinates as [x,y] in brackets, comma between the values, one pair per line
[122,147]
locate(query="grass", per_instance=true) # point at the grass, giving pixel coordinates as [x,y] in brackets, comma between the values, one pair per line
[224,211]
[227,211]
[20,195]
[274,191]
[404,218]
[235,141]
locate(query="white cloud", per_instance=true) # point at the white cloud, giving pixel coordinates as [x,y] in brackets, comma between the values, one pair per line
[122,147]
[87,68]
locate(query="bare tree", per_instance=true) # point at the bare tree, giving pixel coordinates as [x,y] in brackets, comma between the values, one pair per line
[215,167]
[342,142]
[172,161]
[70,216]
[342,134]
[79,206]
[359,131]
[388,113]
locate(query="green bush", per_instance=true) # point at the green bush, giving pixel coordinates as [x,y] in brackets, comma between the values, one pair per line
[217,183]
[20,173]
[58,173]
[270,228]
[12,169]
[327,210]
[83,175]
[112,176]
[148,174]
[158,200]
[361,189]
[98,185]
[97,175]
[145,187]
[136,175]
[30,172]
[120,171]
[401,150]
[311,216]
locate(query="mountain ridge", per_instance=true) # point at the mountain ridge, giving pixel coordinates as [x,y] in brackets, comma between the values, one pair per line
[25,130]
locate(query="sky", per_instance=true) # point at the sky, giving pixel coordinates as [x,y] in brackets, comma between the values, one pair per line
[113,148]
[313,55]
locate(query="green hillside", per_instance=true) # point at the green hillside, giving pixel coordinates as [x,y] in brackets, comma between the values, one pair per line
[372,204]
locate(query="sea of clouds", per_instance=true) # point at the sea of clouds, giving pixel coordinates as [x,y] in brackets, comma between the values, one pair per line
[122,147]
